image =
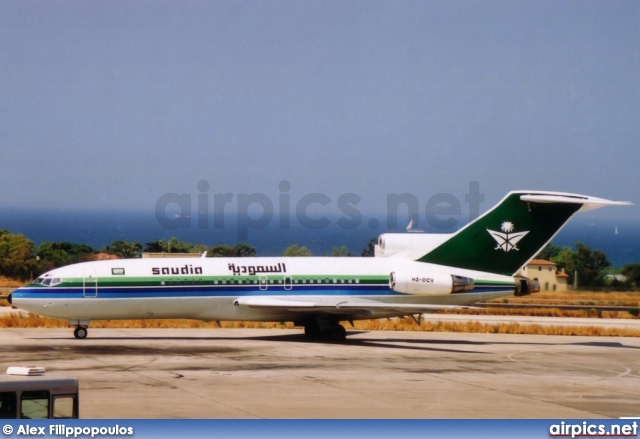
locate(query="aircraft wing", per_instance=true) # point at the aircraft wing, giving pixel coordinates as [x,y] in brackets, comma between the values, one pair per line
[342,307]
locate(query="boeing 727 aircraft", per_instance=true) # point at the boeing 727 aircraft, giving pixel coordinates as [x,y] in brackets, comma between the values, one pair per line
[414,274]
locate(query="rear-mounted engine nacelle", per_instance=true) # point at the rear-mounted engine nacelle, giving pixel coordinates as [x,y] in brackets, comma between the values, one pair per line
[429,284]
[525,286]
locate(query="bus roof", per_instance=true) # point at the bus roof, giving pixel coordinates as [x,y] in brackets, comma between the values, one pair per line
[16,383]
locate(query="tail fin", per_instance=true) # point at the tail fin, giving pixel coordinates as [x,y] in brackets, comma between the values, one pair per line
[513,232]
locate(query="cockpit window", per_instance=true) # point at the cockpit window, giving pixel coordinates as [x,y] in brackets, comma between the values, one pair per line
[46,282]
[56,281]
[38,280]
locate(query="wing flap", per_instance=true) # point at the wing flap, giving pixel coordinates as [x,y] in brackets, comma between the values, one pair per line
[339,307]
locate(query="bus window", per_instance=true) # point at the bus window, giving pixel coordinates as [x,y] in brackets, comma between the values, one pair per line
[64,407]
[35,404]
[8,404]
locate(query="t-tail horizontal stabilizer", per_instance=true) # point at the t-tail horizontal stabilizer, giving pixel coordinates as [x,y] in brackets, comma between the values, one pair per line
[513,232]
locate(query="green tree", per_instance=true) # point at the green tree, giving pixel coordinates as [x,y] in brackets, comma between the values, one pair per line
[52,255]
[587,263]
[550,251]
[222,251]
[199,248]
[340,251]
[158,246]
[241,249]
[632,273]
[177,246]
[295,250]
[17,256]
[123,249]
[370,249]
[57,254]
[244,249]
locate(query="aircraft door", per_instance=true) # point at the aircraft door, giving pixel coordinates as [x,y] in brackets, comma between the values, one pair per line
[90,283]
[263,283]
[287,283]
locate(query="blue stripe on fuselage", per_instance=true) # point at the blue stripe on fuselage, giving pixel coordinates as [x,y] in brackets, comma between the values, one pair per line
[200,291]
[222,291]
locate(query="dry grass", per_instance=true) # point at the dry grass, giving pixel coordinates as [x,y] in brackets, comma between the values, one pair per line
[408,324]
[543,312]
[5,282]
[593,298]
[25,320]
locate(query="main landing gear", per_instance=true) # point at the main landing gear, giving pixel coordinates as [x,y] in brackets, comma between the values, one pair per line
[319,328]
[80,332]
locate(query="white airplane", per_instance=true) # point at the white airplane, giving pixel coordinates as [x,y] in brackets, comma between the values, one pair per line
[414,274]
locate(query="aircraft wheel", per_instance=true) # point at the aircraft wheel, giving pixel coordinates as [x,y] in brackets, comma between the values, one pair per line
[338,333]
[80,332]
[311,330]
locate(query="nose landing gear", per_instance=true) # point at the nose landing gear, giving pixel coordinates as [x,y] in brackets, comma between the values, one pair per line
[80,332]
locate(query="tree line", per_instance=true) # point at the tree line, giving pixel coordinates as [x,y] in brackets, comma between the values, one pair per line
[21,259]
[591,267]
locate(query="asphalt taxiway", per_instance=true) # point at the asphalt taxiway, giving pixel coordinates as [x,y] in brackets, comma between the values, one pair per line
[253,373]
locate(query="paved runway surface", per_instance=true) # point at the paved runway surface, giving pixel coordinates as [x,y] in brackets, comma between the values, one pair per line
[250,373]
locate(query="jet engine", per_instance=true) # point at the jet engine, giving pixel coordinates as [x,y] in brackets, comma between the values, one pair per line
[525,286]
[429,284]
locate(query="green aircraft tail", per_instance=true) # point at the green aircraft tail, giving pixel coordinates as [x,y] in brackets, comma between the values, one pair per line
[509,235]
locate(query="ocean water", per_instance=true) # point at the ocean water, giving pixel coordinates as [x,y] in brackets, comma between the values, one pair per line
[100,228]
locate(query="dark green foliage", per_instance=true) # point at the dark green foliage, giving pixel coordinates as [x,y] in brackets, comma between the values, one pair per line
[369,250]
[295,250]
[587,263]
[221,251]
[243,249]
[550,251]
[340,251]
[177,246]
[158,246]
[124,249]
[240,249]
[57,254]
[17,256]
[632,273]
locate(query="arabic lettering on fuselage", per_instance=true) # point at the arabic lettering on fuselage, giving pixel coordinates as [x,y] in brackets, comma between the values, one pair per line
[252,270]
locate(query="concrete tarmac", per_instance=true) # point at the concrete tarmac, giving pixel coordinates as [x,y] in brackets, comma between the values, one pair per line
[253,373]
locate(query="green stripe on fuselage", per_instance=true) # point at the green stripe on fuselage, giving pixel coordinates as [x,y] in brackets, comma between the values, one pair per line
[117,281]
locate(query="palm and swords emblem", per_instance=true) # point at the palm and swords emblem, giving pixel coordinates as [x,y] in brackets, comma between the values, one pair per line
[507,240]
